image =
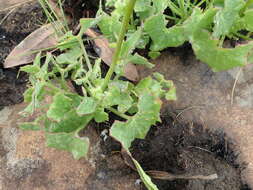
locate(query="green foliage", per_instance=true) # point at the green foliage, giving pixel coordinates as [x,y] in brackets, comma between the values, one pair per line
[162,23]
[248,19]
[226,18]
[87,106]
[77,146]
[138,125]
[62,114]
[162,37]
[144,177]
[205,24]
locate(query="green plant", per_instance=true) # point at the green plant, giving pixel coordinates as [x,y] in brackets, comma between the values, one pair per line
[203,23]
[162,23]
[64,113]
[54,17]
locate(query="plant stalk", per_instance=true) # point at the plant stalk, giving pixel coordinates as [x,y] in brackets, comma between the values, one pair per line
[115,111]
[123,30]
[87,60]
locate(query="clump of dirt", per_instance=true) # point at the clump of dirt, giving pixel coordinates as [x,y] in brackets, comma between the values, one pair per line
[19,24]
[190,150]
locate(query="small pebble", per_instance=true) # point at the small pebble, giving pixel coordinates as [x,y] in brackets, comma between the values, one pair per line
[137,182]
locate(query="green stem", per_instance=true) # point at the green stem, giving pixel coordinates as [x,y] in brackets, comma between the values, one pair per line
[222,41]
[175,9]
[124,116]
[200,3]
[247,4]
[242,36]
[52,16]
[87,60]
[63,15]
[123,30]
[171,17]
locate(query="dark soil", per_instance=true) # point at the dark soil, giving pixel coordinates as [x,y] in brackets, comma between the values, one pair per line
[81,8]
[19,24]
[190,150]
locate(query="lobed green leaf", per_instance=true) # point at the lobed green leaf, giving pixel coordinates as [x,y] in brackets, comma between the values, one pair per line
[70,122]
[87,106]
[227,17]
[101,116]
[139,124]
[118,94]
[130,44]
[162,37]
[219,59]
[60,106]
[77,146]
[248,19]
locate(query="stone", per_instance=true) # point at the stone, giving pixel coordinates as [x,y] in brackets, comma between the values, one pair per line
[27,164]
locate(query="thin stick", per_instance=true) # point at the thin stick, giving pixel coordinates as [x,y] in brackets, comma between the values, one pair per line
[233,89]
[168,176]
[189,108]
[6,16]
[200,148]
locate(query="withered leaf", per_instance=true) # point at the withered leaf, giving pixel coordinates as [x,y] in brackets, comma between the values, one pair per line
[23,53]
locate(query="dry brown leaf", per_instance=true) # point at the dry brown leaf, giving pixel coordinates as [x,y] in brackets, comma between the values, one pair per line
[23,53]
[106,54]
[10,4]
[43,38]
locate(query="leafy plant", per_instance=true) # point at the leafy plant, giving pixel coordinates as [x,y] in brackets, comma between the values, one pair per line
[64,113]
[131,25]
[203,23]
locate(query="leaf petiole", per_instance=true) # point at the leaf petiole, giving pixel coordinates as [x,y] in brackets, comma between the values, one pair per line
[124,116]
[87,60]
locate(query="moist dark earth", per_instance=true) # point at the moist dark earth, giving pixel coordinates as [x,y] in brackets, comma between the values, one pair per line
[190,150]
[171,146]
[19,24]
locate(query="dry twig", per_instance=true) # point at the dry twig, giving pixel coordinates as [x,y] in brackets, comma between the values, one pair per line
[168,176]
